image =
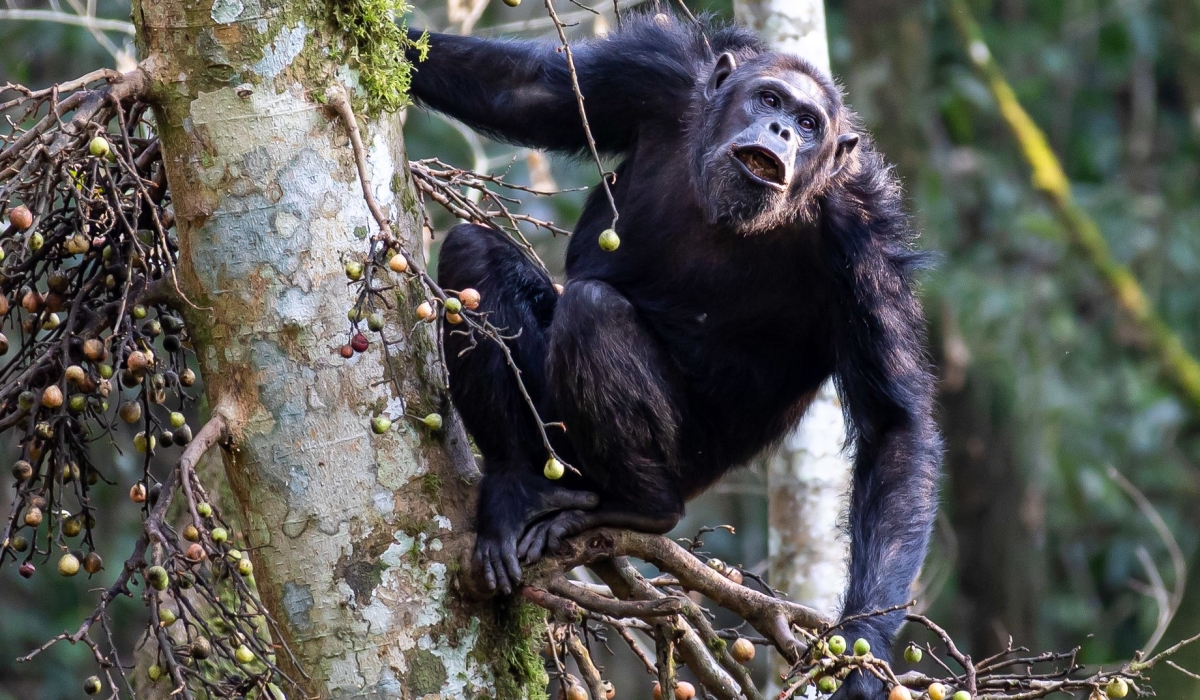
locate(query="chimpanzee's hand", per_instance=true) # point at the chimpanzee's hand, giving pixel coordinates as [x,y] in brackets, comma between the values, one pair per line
[496,541]
[864,685]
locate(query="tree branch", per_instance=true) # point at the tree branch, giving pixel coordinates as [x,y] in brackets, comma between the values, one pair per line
[85,21]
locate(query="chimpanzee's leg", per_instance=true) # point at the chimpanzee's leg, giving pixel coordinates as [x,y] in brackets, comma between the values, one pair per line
[519,299]
[610,382]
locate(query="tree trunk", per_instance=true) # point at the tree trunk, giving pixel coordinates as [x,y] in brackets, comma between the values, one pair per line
[887,79]
[809,476]
[792,26]
[355,537]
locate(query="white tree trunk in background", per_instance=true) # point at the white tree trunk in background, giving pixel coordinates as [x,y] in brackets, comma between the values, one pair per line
[809,477]
[793,26]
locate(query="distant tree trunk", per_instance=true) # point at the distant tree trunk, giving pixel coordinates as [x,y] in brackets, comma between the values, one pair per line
[807,482]
[793,26]
[996,513]
[809,476]
[355,538]
[1184,23]
[887,77]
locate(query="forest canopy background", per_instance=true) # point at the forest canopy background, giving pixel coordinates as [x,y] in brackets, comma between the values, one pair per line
[1042,385]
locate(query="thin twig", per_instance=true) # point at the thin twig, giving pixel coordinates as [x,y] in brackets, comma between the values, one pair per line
[1178,561]
[587,129]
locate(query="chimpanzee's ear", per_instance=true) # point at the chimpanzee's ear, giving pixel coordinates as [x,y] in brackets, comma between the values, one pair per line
[726,64]
[845,146]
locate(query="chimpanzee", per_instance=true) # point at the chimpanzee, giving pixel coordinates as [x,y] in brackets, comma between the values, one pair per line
[763,248]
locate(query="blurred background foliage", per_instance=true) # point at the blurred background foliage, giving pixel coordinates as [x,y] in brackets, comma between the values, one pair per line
[1043,386]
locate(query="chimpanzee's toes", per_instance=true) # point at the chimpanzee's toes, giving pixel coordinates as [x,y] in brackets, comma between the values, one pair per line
[497,559]
[568,523]
[533,544]
[545,536]
[483,563]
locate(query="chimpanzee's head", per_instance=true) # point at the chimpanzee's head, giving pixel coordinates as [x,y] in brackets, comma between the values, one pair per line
[772,133]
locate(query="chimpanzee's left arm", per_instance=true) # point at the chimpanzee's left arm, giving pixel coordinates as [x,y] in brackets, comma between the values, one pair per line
[888,390]
[521,91]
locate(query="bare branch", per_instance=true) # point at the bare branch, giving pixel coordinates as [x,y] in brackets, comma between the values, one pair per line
[1168,607]
[58,17]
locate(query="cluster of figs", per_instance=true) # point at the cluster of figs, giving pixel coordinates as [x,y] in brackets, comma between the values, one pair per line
[204,541]
[85,347]
[450,309]
[835,646]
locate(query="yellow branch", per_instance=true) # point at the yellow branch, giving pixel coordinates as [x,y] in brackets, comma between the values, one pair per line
[1179,366]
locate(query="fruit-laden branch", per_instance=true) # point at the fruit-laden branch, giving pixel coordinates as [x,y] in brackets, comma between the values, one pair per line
[660,610]
[457,307]
[90,296]
[1179,366]
[155,532]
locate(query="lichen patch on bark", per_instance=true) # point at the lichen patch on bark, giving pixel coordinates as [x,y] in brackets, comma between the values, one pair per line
[280,53]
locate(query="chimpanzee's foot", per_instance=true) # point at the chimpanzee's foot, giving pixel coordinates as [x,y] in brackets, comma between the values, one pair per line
[861,685]
[496,541]
[496,558]
[545,536]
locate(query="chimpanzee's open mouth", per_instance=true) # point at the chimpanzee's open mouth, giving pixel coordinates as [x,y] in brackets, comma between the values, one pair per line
[762,165]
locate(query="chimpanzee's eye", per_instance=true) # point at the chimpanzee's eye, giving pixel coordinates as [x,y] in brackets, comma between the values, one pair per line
[769,99]
[808,123]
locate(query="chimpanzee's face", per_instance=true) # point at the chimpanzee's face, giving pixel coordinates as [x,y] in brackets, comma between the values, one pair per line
[770,143]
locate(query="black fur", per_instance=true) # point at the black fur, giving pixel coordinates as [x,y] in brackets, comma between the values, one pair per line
[700,341]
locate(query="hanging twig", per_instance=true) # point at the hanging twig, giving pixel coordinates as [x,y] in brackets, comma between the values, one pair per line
[1168,607]
[587,129]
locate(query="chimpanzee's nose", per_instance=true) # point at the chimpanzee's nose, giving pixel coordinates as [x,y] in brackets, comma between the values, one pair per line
[784,132]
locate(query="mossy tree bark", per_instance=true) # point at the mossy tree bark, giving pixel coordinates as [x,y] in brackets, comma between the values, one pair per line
[355,538]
